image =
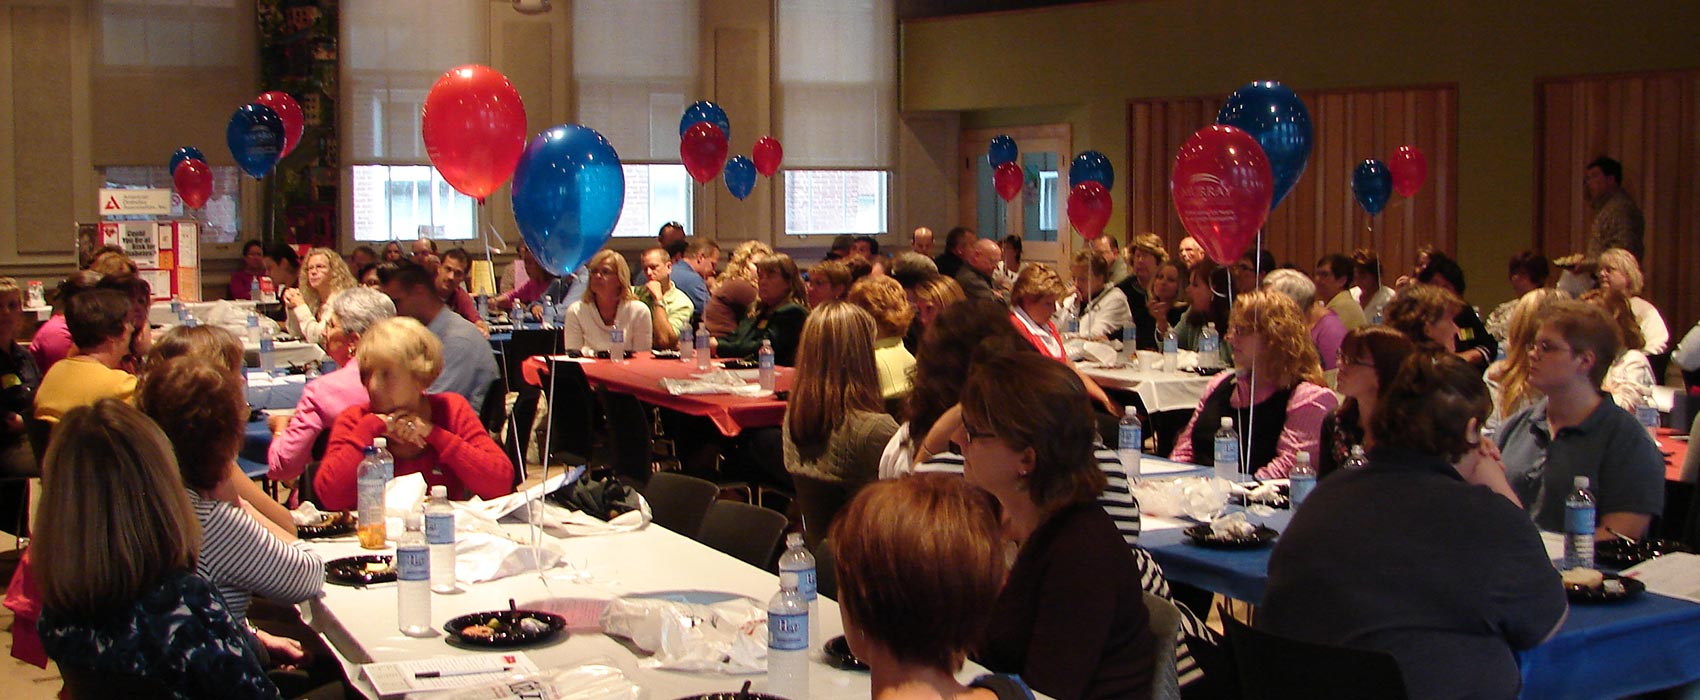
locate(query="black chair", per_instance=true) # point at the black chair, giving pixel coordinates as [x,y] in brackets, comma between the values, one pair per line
[678,502]
[571,437]
[1272,667]
[515,351]
[820,501]
[826,577]
[746,532]
[631,431]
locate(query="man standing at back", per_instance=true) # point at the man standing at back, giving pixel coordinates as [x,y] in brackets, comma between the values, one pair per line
[956,245]
[1617,221]
[468,365]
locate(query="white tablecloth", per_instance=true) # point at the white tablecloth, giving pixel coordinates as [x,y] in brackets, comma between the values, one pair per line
[360,623]
[160,314]
[1159,389]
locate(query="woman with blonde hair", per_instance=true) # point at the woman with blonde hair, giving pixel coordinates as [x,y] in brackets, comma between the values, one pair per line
[835,423]
[1273,356]
[323,274]
[1102,308]
[882,297]
[777,315]
[1425,314]
[1620,270]
[733,292]
[930,297]
[1629,380]
[1033,301]
[1508,379]
[608,303]
[133,606]
[437,435]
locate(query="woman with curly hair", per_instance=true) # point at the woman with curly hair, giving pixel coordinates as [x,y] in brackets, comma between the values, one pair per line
[1508,379]
[731,294]
[777,316]
[1275,394]
[1620,270]
[1425,314]
[883,298]
[323,274]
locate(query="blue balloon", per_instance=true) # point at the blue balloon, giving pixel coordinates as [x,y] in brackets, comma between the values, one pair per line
[567,194]
[255,135]
[1092,166]
[740,176]
[1372,185]
[705,111]
[1277,118]
[183,154]
[1002,150]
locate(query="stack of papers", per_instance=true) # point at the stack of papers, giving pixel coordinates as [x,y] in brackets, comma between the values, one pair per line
[1676,575]
[444,672]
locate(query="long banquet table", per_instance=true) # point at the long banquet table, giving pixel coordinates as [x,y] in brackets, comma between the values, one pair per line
[641,377]
[1160,390]
[360,623]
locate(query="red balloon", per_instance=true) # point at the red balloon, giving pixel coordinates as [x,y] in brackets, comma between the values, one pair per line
[474,127]
[767,154]
[703,149]
[1222,188]
[290,112]
[1089,208]
[193,182]
[1008,179]
[1409,168]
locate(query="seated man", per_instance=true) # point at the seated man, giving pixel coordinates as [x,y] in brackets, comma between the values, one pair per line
[1578,431]
[468,364]
[99,321]
[451,285]
[434,434]
[670,308]
[352,312]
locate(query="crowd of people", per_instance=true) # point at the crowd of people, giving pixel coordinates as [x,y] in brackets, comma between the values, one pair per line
[907,368]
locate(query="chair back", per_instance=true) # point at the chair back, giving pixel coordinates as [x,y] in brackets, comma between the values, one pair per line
[572,414]
[820,501]
[1165,624]
[678,502]
[495,403]
[749,533]
[83,683]
[629,424]
[1273,667]
[826,578]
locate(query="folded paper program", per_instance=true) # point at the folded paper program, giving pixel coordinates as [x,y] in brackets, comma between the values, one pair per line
[717,382]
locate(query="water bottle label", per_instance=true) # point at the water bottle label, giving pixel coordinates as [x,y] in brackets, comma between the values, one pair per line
[788,632]
[1579,521]
[764,362]
[440,528]
[1227,451]
[267,345]
[1130,438]
[413,564]
[1299,487]
[805,583]
[1170,346]
[1648,415]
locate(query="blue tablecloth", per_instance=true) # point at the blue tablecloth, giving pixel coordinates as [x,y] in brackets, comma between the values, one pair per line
[1236,573]
[256,439]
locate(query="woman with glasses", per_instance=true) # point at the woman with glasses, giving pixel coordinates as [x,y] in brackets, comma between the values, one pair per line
[608,303]
[1207,302]
[323,275]
[1370,356]
[1576,431]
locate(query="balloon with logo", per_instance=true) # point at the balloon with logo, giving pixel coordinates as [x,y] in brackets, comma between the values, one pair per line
[1372,185]
[1222,187]
[1409,168]
[705,111]
[1007,178]
[740,176]
[567,194]
[289,111]
[1277,119]
[193,182]
[473,123]
[255,136]
[767,155]
[1089,207]
[1001,150]
[703,150]
[185,153]
[1092,166]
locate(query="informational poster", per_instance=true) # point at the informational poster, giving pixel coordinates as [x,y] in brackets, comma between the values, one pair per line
[137,238]
[128,202]
[188,244]
[159,281]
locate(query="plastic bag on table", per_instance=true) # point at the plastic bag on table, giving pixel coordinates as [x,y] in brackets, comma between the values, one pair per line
[726,637]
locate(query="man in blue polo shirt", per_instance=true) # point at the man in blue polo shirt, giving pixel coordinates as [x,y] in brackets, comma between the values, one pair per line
[691,272]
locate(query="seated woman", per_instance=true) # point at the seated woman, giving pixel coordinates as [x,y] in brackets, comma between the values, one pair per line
[324,274]
[437,435]
[1474,344]
[1032,304]
[1427,315]
[1164,302]
[777,315]
[1630,378]
[835,423]
[52,341]
[608,303]
[1274,355]
[1620,270]
[131,610]
[733,291]
[828,281]
[1527,272]
[352,312]
[1369,359]
[1575,431]
[1508,379]
[99,321]
[1433,502]
[882,297]
[1101,308]
[1145,255]
[539,284]
[140,294]
[931,295]
[19,379]
[1326,328]
[916,600]
[1208,302]
[1071,618]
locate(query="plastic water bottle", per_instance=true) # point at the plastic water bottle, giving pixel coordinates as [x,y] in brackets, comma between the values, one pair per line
[1209,347]
[1227,450]
[413,578]
[254,289]
[253,326]
[1301,479]
[1376,319]
[702,347]
[1579,526]
[1171,351]
[617,344]
[189,320]
[516,315]
[1649,418]
[1070,321]
[268,352]
[764,363]
[1357,460]
[37,295]
[440,535]
[371,480]
[788,640]
[1129,354]
[1130,441]
[799,561]
[548,312]
[177,308]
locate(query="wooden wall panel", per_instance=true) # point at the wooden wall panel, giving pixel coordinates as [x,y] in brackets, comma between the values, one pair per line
[1651,123]
[1319,215]
[42,128]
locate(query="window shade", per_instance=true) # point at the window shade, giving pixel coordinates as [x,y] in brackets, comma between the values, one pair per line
[635,68]
[393,52]
[837,73]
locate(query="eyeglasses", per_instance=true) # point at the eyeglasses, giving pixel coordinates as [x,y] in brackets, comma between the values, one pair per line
[1345,360]
[1544,347]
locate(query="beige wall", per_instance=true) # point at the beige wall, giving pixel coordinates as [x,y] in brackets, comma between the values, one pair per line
[1081,64]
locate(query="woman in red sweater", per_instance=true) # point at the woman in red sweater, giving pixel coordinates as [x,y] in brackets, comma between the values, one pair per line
[438,435]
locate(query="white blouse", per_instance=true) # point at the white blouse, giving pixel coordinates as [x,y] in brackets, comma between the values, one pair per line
[1106,315]
[583,327]
[1652,324]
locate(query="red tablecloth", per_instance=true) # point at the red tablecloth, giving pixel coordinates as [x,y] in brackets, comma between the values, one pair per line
[1677,451]
[641,377]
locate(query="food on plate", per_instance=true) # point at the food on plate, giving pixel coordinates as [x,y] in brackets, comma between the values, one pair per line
[477,632]
[377,567]
[1232,527]
[532,625]
[1585,578]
